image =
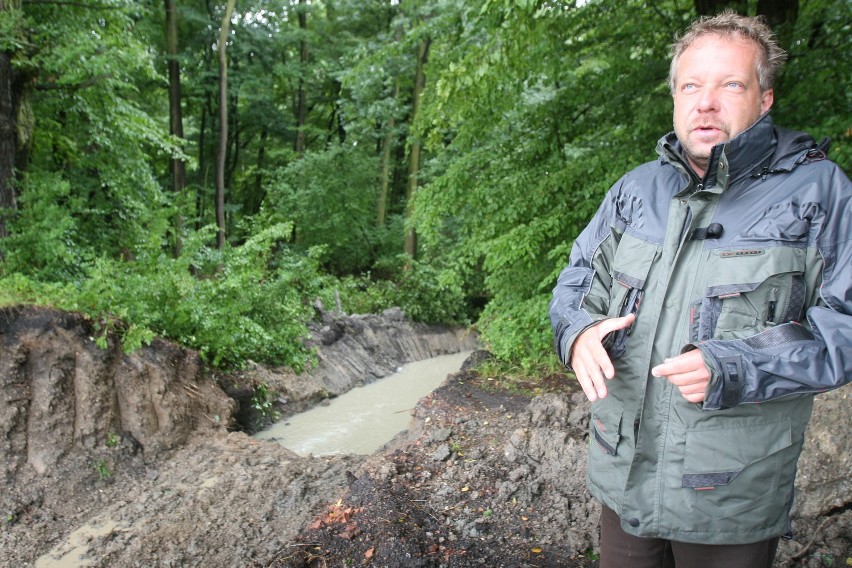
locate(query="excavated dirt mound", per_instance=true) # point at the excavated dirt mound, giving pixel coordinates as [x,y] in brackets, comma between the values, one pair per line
[484,478]
[465,486]
[131,460]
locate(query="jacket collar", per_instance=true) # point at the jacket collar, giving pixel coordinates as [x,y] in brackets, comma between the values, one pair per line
[749,152]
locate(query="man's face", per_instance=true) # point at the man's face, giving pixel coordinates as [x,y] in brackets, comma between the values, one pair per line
[717,94]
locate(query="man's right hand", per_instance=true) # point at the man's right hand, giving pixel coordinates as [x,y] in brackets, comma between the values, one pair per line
[589,358]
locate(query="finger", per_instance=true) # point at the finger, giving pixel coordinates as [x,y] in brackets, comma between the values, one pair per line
[696,398]
[614,324]
[697,376]
[693,388]
[593,373]
[586,384]
[685,363]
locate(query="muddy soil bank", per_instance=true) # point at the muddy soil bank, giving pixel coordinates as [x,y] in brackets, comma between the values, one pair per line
[122,460]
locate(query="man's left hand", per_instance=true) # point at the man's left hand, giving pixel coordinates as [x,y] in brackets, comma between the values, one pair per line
[687,372]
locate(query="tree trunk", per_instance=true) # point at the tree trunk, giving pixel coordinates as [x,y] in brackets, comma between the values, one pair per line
[232,156]
[178,167]
[387,152]
[224,32]
[201,174]
[255,200]
[8,141]
[387,160]
[301,103]
[414,155]
[16,125]
[782,16]
[335,119]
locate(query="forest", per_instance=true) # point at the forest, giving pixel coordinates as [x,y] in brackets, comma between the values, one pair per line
[205,170]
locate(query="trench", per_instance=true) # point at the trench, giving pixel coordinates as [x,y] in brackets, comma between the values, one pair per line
[365,418]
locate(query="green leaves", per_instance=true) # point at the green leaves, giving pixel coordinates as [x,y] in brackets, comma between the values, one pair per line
[245,303]
[537,110]
[531,110]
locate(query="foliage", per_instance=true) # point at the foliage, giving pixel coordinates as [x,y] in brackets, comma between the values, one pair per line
[535,141]
[515,332]
[814,91]
[44,240]
[244,303]
[330,197]
[531,110]
[101,467]
[261,401]
[424,292]
[17,288]
[97,135]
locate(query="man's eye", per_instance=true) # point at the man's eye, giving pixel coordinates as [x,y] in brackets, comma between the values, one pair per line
[687,87]
[734,85]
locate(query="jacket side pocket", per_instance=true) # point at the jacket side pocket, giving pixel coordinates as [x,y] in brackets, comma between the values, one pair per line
[746,482]
[630,269]
[610,451]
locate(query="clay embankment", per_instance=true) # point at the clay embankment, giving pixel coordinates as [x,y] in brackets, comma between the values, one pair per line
[139,448]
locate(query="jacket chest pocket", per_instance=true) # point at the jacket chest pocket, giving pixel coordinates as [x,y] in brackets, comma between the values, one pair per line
[630,267]
[749,291]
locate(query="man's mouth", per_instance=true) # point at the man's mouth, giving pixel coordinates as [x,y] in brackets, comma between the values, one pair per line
[708,128]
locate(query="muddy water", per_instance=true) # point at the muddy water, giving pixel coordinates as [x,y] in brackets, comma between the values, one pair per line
[365,418]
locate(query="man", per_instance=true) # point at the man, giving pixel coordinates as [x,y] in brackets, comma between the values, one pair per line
[706,302]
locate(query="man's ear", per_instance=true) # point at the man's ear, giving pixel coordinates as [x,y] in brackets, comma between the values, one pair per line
[766,100]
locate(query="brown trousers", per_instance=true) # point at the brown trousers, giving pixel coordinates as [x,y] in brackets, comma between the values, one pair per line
[622,550]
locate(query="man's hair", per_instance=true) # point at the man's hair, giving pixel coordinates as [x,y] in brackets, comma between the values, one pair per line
[732,25]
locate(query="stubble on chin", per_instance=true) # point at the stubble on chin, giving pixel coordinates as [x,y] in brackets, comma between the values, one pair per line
[699,145]
[698,155]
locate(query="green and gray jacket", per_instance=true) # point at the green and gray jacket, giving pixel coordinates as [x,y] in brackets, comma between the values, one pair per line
[753,266]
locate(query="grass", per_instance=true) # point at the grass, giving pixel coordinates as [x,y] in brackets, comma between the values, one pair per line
[103,471]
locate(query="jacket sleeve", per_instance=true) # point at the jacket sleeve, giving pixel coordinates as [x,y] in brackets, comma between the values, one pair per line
[581,296]
[796,358]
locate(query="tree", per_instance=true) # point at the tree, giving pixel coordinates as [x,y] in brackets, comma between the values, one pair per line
[15,134]
[178,164]
[84,185]
[223,124]
[414,152]
[301,95]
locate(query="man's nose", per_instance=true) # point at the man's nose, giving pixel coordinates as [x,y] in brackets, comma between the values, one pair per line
[709,100]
